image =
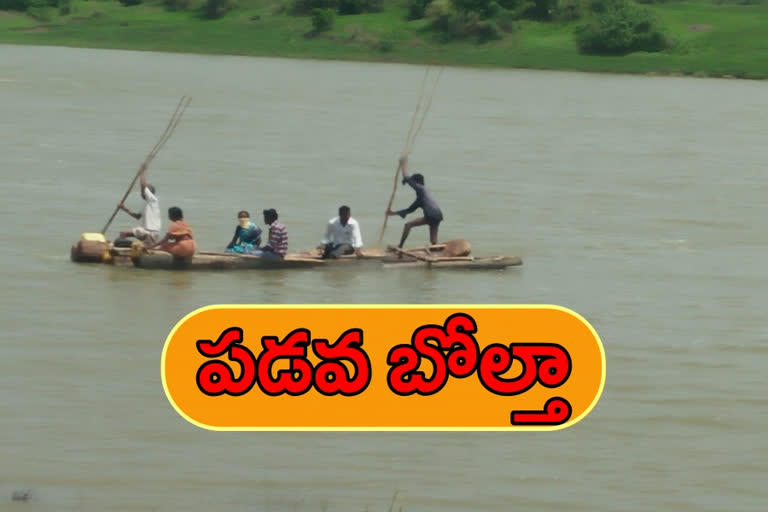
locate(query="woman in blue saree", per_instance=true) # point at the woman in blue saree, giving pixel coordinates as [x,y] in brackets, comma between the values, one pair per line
[247,235]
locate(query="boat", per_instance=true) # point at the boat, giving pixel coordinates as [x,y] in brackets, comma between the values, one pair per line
[452,254]
[407,259]
[218,261]
[467,263]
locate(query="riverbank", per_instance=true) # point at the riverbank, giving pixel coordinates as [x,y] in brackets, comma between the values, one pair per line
[720,40]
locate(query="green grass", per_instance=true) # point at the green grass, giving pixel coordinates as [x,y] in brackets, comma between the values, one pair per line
[735,43]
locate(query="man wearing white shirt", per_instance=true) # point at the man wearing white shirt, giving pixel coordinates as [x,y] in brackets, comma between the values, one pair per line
[150,219]
[342,236]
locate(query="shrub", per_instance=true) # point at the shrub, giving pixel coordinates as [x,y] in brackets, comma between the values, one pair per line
[177,5]
[540,10]
[480,7]
[505,21]
[359,6]
[14,5]
[304,7]
[214,9]
[455,24]
[485,31]
[510,5]
[128,3]
[322,20]
[620,27]
[386,45]
[342,7]
[569,10]
[417,9]
[41,10]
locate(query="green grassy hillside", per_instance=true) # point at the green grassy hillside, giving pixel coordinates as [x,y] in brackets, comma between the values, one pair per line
[708,39]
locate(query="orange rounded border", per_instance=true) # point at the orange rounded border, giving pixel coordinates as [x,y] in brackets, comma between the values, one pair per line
[381,364]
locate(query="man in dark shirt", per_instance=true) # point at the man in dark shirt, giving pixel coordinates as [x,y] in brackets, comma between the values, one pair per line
[432,214]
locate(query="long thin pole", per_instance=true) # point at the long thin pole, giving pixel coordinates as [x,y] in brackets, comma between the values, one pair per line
[405,149]
[160,143]
[410,141]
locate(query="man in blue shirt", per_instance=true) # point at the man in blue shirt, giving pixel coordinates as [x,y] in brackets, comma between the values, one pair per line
[433,216]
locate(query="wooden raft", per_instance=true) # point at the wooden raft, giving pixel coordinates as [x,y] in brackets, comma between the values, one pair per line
[219,261]
[468,263]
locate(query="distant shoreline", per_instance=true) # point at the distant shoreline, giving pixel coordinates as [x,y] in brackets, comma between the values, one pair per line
[668,74]
[708,35]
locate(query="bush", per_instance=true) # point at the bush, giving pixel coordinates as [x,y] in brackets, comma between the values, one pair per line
[214,9]
[14,5]
[342,7]
[620,27]
[416,9]
[485,31]
[540,10]
[42,10]
[128,3]
[38,6]
[456,24]
[359,6]
[386,45]
[322,20]
[177,5]
[305,7]
[505,21]
[481,7]
[569,10]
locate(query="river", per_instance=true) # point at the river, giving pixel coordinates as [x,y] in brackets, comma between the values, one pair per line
[638,202]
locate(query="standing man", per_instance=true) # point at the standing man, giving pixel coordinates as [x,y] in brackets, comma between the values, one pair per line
[342,236]
[433,216]
[149,229]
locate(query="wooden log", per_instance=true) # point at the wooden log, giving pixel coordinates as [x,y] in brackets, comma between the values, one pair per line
[412,257]
[490,263]
[89,251]
[457,247]
[377,254]
[219,261]
[411,254]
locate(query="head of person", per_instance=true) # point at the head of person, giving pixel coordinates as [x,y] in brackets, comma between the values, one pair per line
[144,192]
[418,178]
[244,218]
[270,216]
[344,214]
[175,213]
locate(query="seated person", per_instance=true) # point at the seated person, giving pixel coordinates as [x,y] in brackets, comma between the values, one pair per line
[277,244]
[247,235]
[179,240]
[342,236]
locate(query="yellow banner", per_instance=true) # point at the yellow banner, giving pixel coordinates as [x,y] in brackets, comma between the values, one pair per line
[376,367]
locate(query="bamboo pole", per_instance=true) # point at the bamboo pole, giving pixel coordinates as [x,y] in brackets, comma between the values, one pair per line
[405,149]
[410,139]
[180,108]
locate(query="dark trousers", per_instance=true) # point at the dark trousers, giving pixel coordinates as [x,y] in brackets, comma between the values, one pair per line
[335,250]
